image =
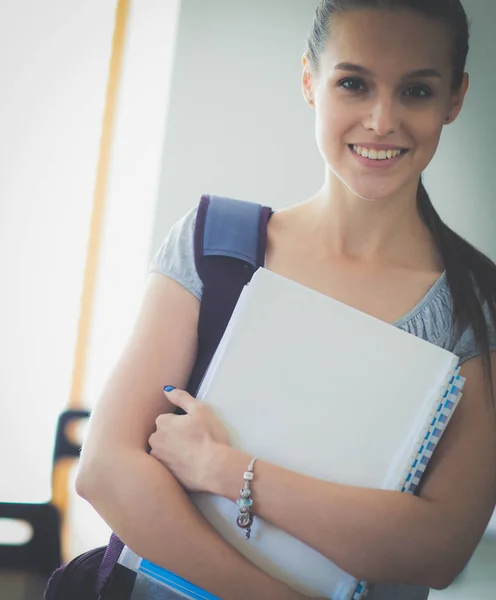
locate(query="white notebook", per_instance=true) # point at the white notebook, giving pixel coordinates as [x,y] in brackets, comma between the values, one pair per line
[312,385]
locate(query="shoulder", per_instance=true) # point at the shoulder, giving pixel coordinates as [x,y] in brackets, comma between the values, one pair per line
[176,256]
[433,322]
[228,228]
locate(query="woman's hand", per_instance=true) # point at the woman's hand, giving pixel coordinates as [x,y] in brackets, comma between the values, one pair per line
[186,444]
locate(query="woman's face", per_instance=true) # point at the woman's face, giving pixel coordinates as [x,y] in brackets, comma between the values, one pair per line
[382,94]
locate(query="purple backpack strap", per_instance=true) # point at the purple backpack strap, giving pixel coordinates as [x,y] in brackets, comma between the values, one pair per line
[230,243]
[109,560]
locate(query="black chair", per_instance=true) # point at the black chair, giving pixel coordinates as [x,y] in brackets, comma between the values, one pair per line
[41,553]
[25,568]
[64,447]
[64,452]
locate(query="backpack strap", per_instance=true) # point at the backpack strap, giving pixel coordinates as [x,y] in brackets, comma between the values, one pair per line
[230,244]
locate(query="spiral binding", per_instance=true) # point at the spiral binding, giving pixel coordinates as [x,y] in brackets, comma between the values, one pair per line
[439,420]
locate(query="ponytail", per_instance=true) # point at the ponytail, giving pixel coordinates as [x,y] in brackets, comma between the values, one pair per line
[471,277]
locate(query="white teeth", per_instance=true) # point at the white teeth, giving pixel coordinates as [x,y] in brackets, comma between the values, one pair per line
[372,154]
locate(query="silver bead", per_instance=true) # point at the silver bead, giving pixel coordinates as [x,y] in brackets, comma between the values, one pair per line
[245,493]
[244,521]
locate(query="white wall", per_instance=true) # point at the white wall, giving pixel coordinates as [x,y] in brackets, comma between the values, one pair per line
[128,223]
[134,177]
[239,127]
[237,123]
[54,67]
[53,71]
[462,177]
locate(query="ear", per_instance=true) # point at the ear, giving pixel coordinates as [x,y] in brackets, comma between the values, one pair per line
[307,81]
[458,98]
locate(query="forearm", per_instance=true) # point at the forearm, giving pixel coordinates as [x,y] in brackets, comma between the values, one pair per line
[152,514]
[374,535]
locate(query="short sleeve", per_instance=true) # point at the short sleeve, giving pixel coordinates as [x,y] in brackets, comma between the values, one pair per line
[465,346]
[176,256]
[432,321]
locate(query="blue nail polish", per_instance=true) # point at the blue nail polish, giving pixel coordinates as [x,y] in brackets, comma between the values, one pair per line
[169,388]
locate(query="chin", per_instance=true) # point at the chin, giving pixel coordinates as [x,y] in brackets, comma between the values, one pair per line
[374,196]
[375,191]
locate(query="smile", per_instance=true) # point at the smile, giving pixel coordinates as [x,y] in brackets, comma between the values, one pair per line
[371,154]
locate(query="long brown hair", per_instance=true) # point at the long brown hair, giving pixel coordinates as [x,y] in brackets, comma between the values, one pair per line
[470,274]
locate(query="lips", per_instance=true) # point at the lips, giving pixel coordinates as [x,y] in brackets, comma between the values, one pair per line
[378,159]
[379,146]
[377,152]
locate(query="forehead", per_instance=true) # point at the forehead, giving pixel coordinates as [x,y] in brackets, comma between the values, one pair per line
[388,41]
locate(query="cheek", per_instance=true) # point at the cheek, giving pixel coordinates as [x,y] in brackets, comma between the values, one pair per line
[426,133]
[331,127]
[428,123]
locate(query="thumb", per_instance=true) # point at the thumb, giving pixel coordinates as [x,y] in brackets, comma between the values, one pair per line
[180,398]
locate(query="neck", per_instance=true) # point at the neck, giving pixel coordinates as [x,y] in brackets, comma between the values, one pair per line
[389,230]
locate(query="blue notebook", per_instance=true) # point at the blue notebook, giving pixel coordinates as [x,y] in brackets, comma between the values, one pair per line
[162,584]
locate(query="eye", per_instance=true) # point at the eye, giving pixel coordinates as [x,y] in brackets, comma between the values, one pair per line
[352,84]
[418,91]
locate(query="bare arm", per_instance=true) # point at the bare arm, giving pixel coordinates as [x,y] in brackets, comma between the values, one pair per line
[133,492]
[380,535]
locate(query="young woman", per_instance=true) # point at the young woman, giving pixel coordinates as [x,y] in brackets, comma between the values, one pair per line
[384,78]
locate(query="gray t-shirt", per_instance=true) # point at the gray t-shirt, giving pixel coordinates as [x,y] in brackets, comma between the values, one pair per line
[430,320]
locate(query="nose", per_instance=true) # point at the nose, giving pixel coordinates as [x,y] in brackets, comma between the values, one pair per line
[383,117]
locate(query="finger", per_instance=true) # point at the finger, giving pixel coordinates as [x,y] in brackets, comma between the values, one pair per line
[162,421]
[151,440]
[181,399]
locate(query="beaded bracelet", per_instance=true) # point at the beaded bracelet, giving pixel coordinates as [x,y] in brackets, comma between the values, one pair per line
[245,502]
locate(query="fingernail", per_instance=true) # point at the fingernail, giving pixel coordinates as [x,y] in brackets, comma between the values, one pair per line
[169,388]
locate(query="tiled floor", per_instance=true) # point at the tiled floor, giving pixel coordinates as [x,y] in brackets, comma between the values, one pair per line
[18,587]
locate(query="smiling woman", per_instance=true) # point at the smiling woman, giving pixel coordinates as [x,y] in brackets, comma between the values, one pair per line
[362,101]
[383,77]
[405,81]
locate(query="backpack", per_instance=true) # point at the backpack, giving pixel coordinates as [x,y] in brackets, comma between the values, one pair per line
[230,239]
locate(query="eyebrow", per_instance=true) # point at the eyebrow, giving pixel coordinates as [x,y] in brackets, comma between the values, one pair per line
[363,71]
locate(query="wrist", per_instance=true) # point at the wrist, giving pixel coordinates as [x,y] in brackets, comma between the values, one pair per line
[224,475]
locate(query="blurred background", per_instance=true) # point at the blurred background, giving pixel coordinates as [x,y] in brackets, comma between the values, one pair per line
[115,116]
